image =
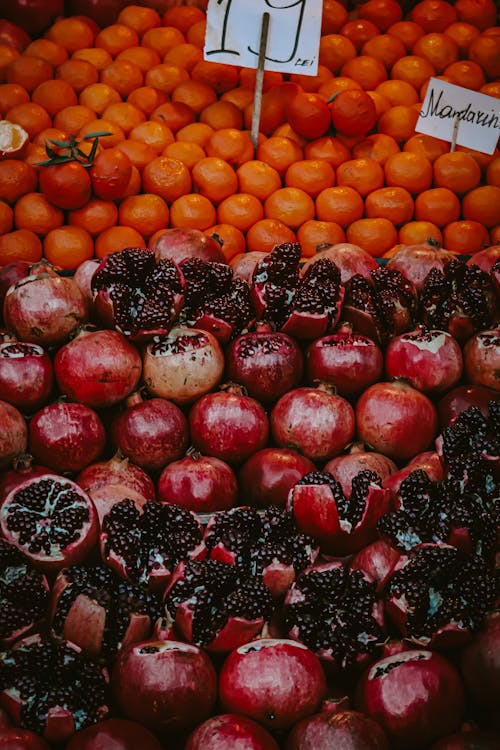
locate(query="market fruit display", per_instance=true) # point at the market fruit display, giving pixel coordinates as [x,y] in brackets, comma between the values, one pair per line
[249,486]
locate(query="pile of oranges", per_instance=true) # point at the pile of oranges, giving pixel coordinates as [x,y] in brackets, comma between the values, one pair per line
[177,149]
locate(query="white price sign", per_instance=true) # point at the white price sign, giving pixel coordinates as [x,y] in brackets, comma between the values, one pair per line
[234,27]
[449,111]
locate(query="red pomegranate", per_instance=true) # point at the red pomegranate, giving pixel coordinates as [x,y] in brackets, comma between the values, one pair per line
[10,275]
[165,685]
[83,276]
[108,495]
[97,368]
[345,730]
[14,738]
[114,734]
[482,359]
[480,665]
[276,682]
[429,360]
[314,421]
[151,432]
[230,732]
[486,258]
[228,425]
[415,261]
[350,259]
[396,420]
[26,375]
[34,16]
[13,36]
[117,470]
[179,243]
[51,520]
[22,468]
[200,483]
[344,468]
[428,461]
[350,361]
[243,264]
[266,477]
[103,12]
[183,365]
[416,696]
[66,436]
[377,561]
[460,398]
[13,434]
[45,309]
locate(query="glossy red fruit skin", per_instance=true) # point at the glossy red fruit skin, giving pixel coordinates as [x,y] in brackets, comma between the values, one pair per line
[460,398]
[243,264]
[482,359]
[430,361]
[429,461]
[179,243]
[14,738]
[313,421]
[345,467]
[66,185]
[13,36]
[350,259]
[353,112]
[230,732]
[13,434]
[107,495]
[151,433]
[66,436]
[34,16]
[117,470]
[377,561]
[415,261]
[396,420]
[276,682]
[351,362]
[203,484]
[346,730]
[165,685]
[228,425]
[114,734]
[11,274]
[98,368]
[83,276]
[486,258]
[269,474]
[416,696]
[26,375]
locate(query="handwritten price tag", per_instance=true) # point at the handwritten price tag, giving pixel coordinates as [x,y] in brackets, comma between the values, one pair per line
[233,30]
[450,110]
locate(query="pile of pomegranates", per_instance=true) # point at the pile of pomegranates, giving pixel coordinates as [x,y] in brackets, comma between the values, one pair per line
[252,512]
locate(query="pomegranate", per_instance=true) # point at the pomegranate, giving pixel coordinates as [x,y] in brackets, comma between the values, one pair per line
[214,301]
[200,483]
[304,305]
[416,261]
[396,420]
[486,258]
[266,364]
[469,740]
[314,421]
[13,434]
[137,294]
[482,359]
[495,277]
[437,597]
[480,664]
[150,432]
[342,521]
[381,307]
[430,360]
[213,606]
[276,682]
[114,734]
[44,308]
[230,732]
[143,545]
[22,468]
[345,730]
[415,695]
[337,614]
[377,561]
[459,299]
[99,612]
[83,276]
[13,36]
[460,398]
[66,436]
[179,243]
[165,685]
[266,477]
[471,433]
[50,687]
[350,259]
[24,595]
[97,368]
[243,264]
[14,738]
[26,375]
[228,424]
[183,365]
[266,544]
[107,495]
[9,276]
[117,470]
[349,360]
[344,468]
[428,461]
[51,520]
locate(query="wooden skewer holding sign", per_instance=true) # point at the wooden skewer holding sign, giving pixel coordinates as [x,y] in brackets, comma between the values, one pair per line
[455,133]
[259,80]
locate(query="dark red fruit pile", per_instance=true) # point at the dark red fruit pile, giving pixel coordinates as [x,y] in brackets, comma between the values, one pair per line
[261,514]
